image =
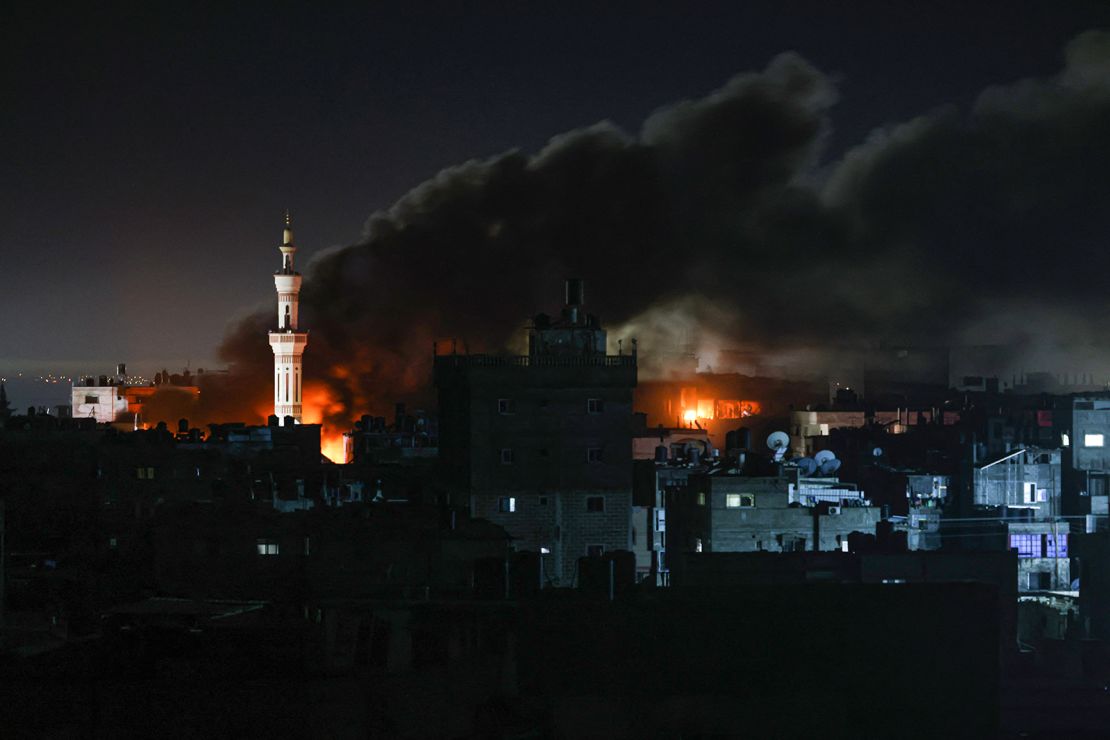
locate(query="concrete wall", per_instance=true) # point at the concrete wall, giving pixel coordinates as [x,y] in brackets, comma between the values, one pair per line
[563,524]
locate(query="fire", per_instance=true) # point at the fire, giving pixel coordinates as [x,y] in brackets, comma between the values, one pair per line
[331,445]
[690,416]
[320,406]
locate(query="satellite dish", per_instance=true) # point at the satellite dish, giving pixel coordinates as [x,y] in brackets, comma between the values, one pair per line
[877,452]
[824,456]
[780,443]
[829,466]
[778,440]
[807,466]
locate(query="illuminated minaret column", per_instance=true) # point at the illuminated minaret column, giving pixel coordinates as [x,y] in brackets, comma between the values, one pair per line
[288,342]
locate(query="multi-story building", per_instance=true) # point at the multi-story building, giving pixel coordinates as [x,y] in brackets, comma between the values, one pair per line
[734,513]
[541,444]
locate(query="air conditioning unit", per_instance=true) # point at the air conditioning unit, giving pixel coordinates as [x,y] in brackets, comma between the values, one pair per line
[834,511]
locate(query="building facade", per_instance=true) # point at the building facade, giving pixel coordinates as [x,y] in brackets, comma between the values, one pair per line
[541,444]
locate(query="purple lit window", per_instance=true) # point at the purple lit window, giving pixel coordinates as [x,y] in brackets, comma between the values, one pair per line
[1056,551]
[1027,545]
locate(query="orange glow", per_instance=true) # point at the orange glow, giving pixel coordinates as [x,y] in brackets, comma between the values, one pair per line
[331,446]
[690,416]
[737,409]
[705,408]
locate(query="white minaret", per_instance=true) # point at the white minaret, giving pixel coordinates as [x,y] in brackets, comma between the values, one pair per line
[288,342]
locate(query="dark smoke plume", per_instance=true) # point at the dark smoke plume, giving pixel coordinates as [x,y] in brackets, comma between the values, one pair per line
[720,220]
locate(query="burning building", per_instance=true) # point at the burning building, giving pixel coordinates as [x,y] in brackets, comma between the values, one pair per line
[288,342]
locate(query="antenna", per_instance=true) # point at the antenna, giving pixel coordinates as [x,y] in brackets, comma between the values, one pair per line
[877,452]
[824,456]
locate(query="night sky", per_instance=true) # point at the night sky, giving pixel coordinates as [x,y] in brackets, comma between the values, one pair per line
[149,154]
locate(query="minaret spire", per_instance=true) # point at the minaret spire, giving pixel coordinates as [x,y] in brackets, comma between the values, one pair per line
[288,342]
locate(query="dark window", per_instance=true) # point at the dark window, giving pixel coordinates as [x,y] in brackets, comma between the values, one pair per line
[506,406]
[593,454]
[595,551]
[595,503]
[506,456]
[92,399]
[543,500]
[595,405]
[1040,581]
[506,504]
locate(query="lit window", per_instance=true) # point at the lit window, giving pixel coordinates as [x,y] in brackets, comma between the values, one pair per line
[267,547]
[593,454]
[701,499]
[1029,492]
[544,551]
[595,503]
[1027,545]
[506,406]
[844,545]
[1093,440]
[1056,547]
[739,500]
[595,405]
[506,504]
[506,456]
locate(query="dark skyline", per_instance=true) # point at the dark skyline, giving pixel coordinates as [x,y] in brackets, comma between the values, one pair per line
[150,153]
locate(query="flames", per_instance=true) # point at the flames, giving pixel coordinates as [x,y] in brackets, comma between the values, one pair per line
[322,406]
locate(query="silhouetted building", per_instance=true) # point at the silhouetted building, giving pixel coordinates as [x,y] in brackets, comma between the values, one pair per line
[542,443]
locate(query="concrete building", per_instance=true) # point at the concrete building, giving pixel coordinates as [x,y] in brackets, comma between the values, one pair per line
[733,513]
[541,444]
[1028,478]
[122,399]
[1083,426]
[288,342]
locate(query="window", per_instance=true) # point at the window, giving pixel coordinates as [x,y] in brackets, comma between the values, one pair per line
[1027,545]
[1056,547]
[738,500]
[144,473]
[1040,581]
[595,551]
[506,406]
[506,456]
[1093,440]
[267,547]
[593,454]
[1029,494]
[701,499]
[594,405]
[506,504]
[92,399]
[543,500]
[595,503]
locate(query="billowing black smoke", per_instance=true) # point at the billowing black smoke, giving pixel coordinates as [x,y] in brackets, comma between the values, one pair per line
[721,219]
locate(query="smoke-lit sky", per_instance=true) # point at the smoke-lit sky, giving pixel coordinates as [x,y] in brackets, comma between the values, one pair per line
[149,153]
